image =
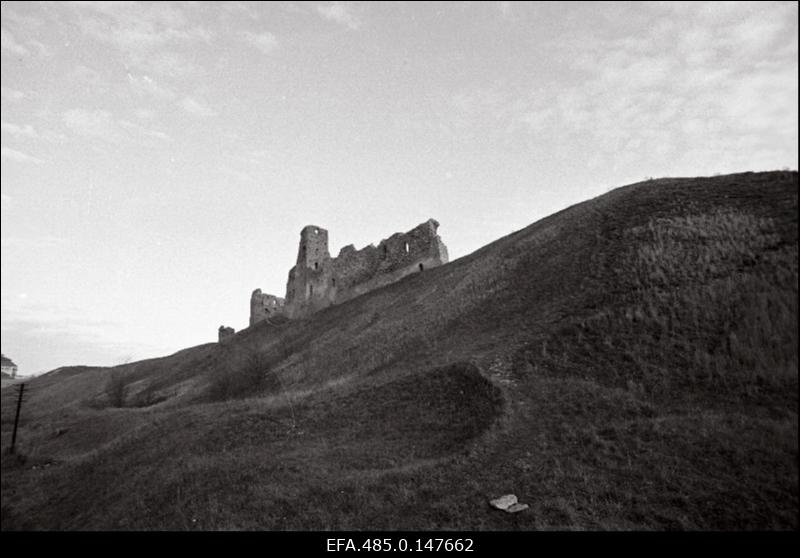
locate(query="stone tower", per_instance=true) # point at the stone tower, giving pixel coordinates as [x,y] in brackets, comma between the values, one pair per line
[308,286]
[313,250]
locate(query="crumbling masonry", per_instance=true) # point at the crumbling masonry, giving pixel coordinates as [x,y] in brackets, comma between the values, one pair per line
[318,281]
[262,306]
[225,333]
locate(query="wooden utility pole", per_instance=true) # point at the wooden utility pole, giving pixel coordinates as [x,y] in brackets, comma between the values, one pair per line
[21,389]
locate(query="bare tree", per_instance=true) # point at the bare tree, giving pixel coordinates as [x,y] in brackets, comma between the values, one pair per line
[116,389]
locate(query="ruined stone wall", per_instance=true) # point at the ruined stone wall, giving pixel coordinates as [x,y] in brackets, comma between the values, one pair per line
[264,305]
[225,333]
[399,255]
[317,281]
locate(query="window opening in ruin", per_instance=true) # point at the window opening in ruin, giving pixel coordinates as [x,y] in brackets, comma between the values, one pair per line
[406,247]
[421,267]
[333,281]
[316,265]
[385,249]
[311,290]
[316,231]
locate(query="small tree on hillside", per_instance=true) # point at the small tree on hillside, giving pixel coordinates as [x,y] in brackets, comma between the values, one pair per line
[116,389]
[242,377]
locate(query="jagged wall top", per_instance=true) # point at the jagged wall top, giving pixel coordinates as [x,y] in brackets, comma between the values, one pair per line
[317,280]
[263,305]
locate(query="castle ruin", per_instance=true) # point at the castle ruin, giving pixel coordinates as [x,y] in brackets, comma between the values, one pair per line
[317,280]
[262,306]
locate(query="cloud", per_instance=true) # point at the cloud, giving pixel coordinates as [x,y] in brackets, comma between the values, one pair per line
[146,33]
[234,173]
[692,90]
[145,131]
[170,64]
[17,39]
[145,85]
[11,94]
[538,120]
[138,28]
[56,332]
[9,45]
[49,333]
[196,108]
[25,131]
[92,123]
[19,156]
[42,48]
[341,13]
[265,42]
[12,242]
[253,157]
[21,20]
[91,79]
[240,8]
[28,131]
[485,106]
[492,99]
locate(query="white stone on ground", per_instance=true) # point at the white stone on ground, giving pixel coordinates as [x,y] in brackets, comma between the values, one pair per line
[504,502]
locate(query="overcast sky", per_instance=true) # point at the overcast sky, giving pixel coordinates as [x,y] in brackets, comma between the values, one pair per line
[160,159]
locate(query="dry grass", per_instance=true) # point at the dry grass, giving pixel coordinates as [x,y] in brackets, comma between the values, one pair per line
[711,305]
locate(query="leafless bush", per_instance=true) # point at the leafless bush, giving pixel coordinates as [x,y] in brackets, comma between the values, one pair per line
[245,376]
[116,389]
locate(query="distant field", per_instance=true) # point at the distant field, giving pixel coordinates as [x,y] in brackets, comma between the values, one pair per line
[627,363]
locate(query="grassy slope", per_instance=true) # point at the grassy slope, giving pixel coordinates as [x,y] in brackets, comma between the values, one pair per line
[630,362]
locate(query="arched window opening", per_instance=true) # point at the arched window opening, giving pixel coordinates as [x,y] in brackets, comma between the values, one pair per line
[316,265]
[421,267]
[406,247]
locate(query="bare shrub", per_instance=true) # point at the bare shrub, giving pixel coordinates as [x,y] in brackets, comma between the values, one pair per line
[242,377]
[116,389]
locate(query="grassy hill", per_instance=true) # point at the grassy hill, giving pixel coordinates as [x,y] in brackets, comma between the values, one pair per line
[627,363]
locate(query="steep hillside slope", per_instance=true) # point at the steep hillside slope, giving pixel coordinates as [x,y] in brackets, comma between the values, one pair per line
[629,362]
